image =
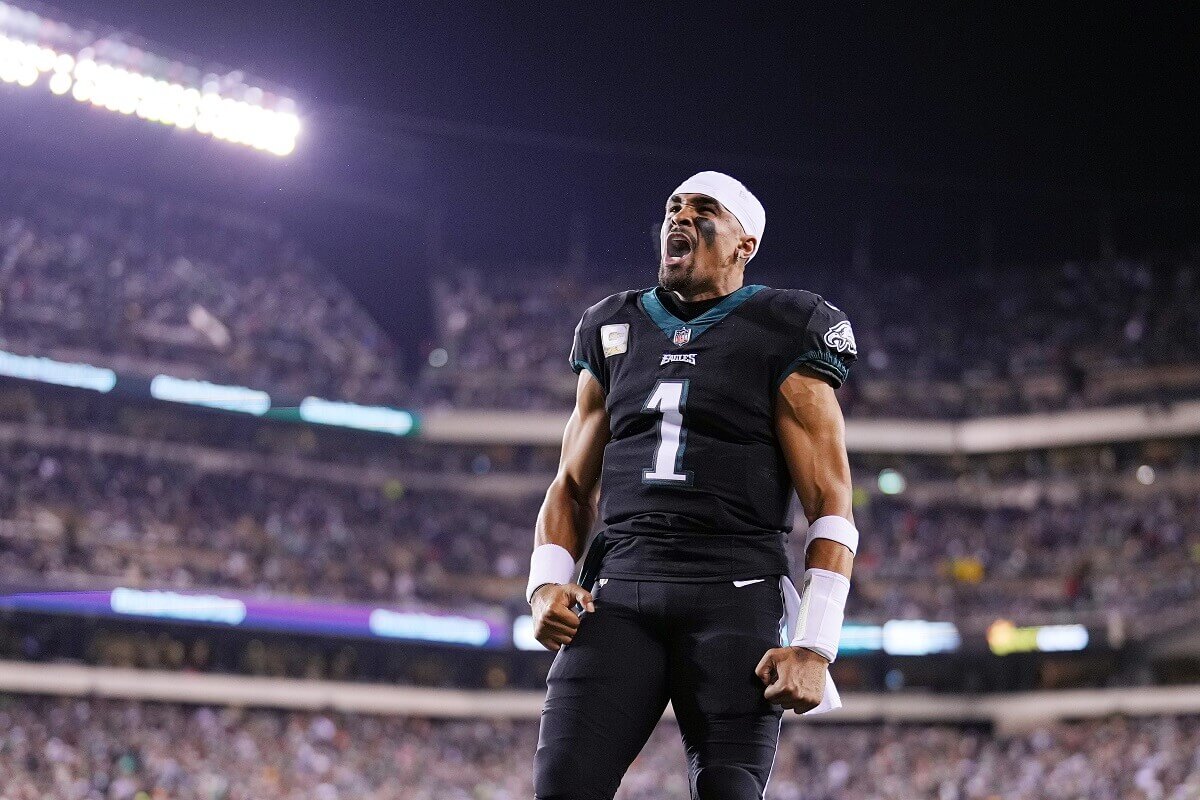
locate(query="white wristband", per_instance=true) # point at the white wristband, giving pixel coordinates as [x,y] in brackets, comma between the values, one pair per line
[838,529]
[822,609]
[550,563]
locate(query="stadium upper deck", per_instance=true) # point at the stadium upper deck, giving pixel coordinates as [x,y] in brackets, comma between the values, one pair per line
[1025,338]
[151,284]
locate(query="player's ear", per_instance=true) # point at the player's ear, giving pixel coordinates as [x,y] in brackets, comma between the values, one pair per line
[746,247]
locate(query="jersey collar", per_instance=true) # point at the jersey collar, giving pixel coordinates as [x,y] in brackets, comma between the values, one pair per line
[669,323]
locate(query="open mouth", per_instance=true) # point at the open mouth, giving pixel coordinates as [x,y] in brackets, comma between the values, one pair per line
[679,247]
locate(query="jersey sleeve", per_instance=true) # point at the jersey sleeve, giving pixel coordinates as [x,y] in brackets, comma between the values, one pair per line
[597,337]
[585,350]
[819,339]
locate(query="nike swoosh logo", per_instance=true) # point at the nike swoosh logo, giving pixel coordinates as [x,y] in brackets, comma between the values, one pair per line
[740,584]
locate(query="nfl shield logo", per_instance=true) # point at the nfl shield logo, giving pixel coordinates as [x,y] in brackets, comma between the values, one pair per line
[682,337]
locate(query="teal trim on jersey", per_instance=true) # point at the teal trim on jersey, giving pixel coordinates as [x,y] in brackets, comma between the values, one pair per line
[669,323]
[819,361]
[578,364]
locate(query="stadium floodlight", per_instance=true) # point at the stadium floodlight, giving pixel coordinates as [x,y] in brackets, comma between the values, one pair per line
[107,73]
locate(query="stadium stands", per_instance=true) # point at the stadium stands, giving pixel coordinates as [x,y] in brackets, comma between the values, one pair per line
[73,520]
[81,749]
[1025,338]
[268,602]
[97,510]
[148,284]
[152,285]
[104,490]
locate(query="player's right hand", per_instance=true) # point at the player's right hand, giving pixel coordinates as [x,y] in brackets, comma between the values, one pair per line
[554,623]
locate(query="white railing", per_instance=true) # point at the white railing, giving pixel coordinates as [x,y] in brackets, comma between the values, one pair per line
[983,435]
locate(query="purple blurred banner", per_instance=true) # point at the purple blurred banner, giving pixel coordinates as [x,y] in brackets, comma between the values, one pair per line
[281,614]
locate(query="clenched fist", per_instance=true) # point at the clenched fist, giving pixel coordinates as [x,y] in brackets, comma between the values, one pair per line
[794,677]
[554,623]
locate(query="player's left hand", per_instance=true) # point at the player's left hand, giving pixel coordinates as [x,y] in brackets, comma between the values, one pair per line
[794,677]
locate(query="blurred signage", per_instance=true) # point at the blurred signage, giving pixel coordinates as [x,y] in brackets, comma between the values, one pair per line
[210,395]
[60,373]
[350,415]
[429,627]
[1003,638]
[187,391]
[858,638]
[272,613]
[522,634]
[918,637]
[171,605]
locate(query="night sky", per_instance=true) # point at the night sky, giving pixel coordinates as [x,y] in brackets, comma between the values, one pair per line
[504,120]
[1100,94]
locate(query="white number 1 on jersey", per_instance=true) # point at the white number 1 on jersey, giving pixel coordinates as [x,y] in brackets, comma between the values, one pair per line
[668,399]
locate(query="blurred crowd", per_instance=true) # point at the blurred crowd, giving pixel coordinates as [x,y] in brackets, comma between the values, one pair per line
[70,519]
[143,496]
[147,285]
[1006,339]
[1105,554]
[74,749]
[92,514]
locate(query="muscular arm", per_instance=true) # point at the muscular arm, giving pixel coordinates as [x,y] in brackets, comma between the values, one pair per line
[812,433]
[569,511]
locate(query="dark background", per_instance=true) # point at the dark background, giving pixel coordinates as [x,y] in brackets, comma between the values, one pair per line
[1000,133]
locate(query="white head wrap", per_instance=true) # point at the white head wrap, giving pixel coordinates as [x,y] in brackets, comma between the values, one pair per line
[730,193]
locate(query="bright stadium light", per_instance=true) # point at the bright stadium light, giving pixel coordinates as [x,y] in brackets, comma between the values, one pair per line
[891,482]
[109,74]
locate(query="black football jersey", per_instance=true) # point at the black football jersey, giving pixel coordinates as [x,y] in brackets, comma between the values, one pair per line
[694,484]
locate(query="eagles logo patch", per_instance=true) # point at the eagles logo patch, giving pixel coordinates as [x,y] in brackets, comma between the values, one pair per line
[841,338]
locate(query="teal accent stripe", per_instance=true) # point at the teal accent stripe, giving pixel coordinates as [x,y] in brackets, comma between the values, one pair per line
[669,323]
[819,361]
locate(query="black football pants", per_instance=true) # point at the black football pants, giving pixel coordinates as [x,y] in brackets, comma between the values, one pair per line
[647,642]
